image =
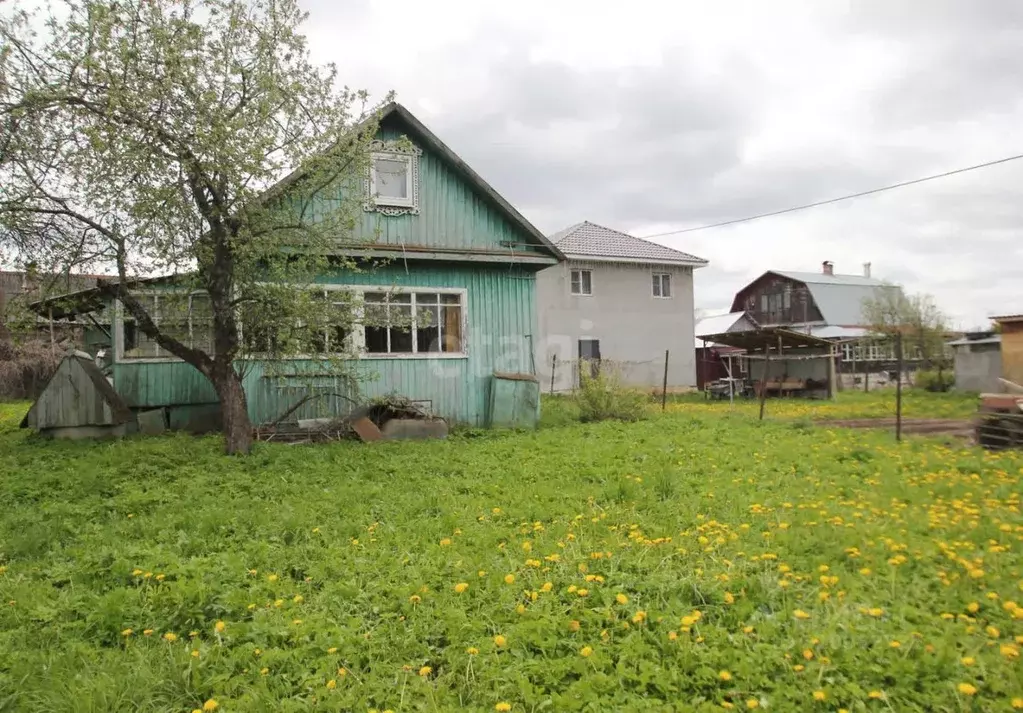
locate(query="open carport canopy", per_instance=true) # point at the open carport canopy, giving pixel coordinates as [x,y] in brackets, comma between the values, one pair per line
[758,340]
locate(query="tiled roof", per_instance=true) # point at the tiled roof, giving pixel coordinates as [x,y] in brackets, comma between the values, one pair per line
[838,297]
[592,241]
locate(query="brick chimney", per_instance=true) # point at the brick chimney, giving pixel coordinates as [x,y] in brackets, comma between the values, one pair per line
[828,267]
[866,269]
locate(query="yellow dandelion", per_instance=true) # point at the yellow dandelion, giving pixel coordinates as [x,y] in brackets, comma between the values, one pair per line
[210,705]
[586,651]
[547,586]
[509,579]
[332,650]
[425,671]
[271,578]
[894,644]
[461,587]
[639,617]
[876,695]
[574,625]
[672,635]
[993,632]
[973,607]
[729,598]
[195,653]
[1009,651]
[126,632]
[622,599]
[472,651]
[502,707]
[967,660]
[1017,703]
[219,627]
[800,614]
[807,654]
[500,641]
[147,632]
[332,684]
[170,636]
[582,592]
[752,703]
[445,542]
[724,675]
[819,696]
[264,671]
[967,689]
[298,599]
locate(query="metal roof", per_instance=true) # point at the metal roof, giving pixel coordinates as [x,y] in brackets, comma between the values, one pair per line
[836,332]
[993,339]
[1008,318]
[753,340]
[590,241]
[838,297]
[719,324]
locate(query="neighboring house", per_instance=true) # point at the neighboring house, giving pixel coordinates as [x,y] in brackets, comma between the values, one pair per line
[616,299]
[825,304]
[718,361]
[1012,347]
[461,254]
[978,361]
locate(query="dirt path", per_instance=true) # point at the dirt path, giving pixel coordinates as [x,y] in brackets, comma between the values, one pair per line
[932,426]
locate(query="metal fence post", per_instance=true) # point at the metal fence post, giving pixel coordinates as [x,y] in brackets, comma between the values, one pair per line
[898,387]
[554,366]
[664,385]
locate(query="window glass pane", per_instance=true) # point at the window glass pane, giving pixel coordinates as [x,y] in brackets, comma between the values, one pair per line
[587,282]
[427,327]
[201,314]
[377,297]
[657,285]
[427,298]
[376,340]
[136,344]
[401,330]
[451,328]
[451,299]
[665,285]
[338,339]
[404,298]
[391,177]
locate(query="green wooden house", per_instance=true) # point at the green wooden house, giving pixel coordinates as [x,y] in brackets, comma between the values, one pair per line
[455,248]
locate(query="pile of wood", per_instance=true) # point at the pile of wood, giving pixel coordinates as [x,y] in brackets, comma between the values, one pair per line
[1000,418]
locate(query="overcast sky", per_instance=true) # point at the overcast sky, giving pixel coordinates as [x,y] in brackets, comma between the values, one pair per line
[656,116]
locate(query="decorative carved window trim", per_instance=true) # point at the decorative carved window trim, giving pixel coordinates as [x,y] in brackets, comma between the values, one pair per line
[394,150]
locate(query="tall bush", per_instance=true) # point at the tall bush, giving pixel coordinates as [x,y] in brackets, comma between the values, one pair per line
[603,396]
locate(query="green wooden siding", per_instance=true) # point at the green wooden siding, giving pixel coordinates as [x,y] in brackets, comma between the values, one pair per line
[500,320]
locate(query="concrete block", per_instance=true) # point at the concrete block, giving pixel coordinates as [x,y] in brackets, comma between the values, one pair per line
[152,422]
[401,429]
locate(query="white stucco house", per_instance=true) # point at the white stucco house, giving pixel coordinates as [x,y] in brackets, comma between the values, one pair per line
[619,299]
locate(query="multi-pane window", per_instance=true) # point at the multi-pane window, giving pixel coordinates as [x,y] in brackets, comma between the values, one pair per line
[582,282]
[413,323]
[662,284]
[185,317]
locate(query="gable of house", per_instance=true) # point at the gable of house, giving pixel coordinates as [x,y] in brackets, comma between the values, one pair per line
[452,212]
[790,297]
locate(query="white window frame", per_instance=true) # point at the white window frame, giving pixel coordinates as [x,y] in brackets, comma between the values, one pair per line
[571,282]
[357,336]
[657,283]
[393,151]
[409,200]
[119,314]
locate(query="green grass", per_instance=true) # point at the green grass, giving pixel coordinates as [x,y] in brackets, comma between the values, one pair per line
[720,532]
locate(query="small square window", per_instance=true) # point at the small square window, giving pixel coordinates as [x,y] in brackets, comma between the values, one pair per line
[662,284]
[391,179]
[582,282]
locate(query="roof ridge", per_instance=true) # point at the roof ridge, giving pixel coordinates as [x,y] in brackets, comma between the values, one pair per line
[565,235]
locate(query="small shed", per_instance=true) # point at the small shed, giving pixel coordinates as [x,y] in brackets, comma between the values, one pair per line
[1012,346]
[79,402]
[978,362]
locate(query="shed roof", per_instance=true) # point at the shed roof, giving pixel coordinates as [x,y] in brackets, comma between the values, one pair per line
[993,339]
[590,241]
[1008,318]
[718,323]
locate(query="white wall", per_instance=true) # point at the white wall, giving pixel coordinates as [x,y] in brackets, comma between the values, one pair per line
[632,325]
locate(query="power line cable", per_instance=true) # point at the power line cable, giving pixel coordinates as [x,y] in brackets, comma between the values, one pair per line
[836,200]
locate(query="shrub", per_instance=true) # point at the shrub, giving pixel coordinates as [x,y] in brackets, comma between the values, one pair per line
[934,380]
[603,396]
[25,368]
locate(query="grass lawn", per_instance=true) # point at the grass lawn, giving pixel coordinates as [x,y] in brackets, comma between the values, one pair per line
[698,560]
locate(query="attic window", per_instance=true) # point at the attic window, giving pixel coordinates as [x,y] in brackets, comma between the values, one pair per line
[393,182]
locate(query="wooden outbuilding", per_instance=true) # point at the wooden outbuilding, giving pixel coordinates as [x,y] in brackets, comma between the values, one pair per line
[79,402]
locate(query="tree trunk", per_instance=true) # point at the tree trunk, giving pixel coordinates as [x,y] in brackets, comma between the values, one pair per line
[233,410]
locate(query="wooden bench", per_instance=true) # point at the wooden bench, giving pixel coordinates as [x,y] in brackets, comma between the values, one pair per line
[784,387]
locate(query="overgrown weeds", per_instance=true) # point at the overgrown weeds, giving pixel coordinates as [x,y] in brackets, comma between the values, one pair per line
[25,368]
[602,396]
